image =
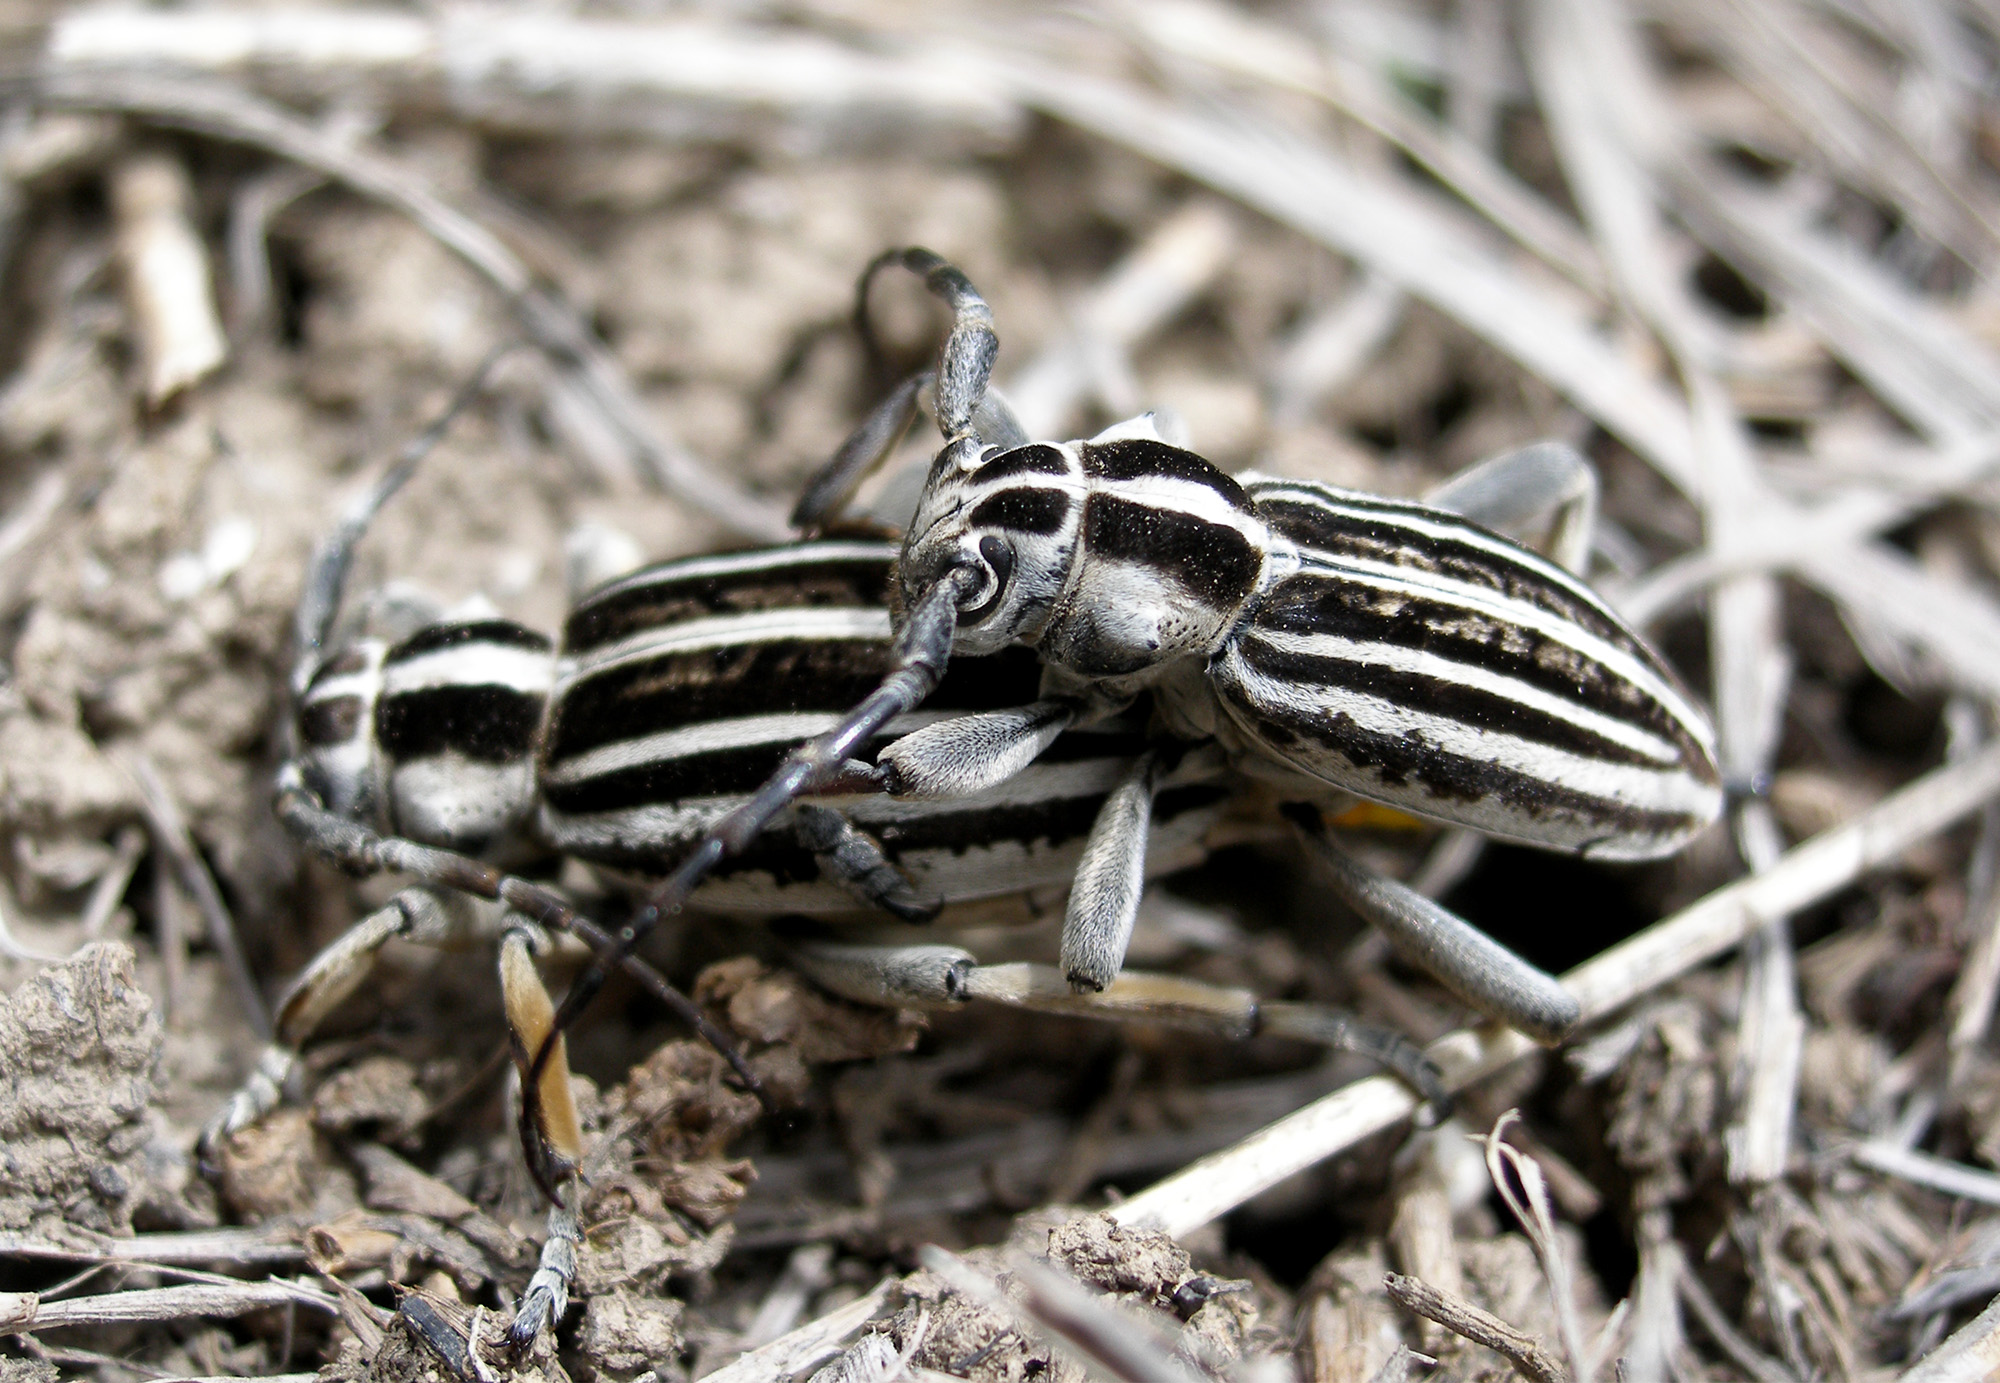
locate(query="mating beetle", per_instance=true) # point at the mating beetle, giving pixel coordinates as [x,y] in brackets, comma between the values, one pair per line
[1336,643]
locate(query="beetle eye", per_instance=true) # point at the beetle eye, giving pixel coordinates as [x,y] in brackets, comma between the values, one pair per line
[1000,557]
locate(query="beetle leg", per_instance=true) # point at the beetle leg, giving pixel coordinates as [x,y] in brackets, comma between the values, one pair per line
[854,859]
[422,915]
[865,449]
[970,753]
[547,1296]
[359,850]
[1546,482]
[917,663]
[551,1134]
[1472,965]
[1104,900]
[552,1138]
[944,977]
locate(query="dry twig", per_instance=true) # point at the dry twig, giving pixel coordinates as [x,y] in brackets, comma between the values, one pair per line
[1527,1353]
[1216,1184]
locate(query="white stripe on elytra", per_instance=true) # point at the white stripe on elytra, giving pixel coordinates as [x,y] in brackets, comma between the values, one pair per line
[757,561]
[1436,526]
[1396,658]
[1667,791]
[710,736]
[1496,606]
[852,624]
[672,825]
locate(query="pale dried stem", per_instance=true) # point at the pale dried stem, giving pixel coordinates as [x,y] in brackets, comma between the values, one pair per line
[1977,988]
[1657,1338]
[523,68]
[1535,1360]
[805,1273]
[1971,1355]
[1333,345]
[1170,268]
[128,847]
[24,1313]
[1530,1206]
[1727,1338]
[1420,245]
[795,1353]
[167,280]
[217,111]
[1952,1178]
[1053,1306]
[1234,42]
[1670,948]
[1421,1237]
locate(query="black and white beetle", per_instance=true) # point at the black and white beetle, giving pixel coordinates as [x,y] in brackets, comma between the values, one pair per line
[674,692]
[1148,632]
[1334,643]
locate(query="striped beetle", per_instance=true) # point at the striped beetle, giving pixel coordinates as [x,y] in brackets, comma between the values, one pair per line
[1338,644]
[675,691]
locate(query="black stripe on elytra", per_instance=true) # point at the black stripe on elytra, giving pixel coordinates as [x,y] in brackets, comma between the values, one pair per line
[1211,560]
[1301,516]
[648,695]
[333,720]
[1400,763]
[1052,824]
[1326,679]
[492,724]
[739,771]
[1403,762]
[1022,509]
[1324,603]
[1334,538]
[1037,458]
[503,632]
[1141,458]
[661,598]
[711,773]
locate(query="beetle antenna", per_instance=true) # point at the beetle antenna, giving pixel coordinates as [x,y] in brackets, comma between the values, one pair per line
[922,647]
[965,366]
[326,577]
[917,663]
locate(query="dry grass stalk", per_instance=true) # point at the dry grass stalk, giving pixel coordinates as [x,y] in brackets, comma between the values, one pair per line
[811,1344]
[692,78]
[1535,1360]
[1671,947]
[166,275]
[1166,271]
[220,112]
[23,1313]
[1518,1178]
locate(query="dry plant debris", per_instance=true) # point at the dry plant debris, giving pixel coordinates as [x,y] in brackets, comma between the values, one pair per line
[1742,254]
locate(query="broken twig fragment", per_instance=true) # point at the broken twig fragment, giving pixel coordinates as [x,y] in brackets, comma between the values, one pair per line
[167,280]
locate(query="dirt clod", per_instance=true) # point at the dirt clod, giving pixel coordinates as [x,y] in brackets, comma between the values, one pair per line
[80,1045]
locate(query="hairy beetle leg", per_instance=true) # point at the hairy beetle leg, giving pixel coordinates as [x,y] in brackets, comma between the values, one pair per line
[426,916]
[945,977]
[1472,965]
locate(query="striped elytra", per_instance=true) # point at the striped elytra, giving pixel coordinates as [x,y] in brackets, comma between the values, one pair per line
[676,691]
[1330,639]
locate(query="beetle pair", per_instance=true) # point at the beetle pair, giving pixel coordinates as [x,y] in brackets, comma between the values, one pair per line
[1148,632]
